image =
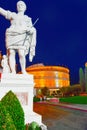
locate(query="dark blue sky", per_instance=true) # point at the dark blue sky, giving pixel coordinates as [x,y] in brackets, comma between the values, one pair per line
[61,32]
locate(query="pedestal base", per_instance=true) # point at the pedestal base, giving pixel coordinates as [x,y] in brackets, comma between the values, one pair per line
[22,86]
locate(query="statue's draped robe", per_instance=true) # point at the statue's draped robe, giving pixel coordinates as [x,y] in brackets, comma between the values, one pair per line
[16,33]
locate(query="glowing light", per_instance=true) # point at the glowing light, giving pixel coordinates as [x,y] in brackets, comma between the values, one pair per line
[49,76]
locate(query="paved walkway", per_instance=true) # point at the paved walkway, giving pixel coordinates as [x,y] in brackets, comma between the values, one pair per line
[76,106]
[58,116]
[71,106]
[81,107]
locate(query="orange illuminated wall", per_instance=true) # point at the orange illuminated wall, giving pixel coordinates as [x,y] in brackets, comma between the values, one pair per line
[49,76]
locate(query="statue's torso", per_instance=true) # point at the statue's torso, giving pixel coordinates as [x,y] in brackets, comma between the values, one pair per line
[19,23]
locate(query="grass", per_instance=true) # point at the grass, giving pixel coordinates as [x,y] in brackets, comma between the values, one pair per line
[74,100]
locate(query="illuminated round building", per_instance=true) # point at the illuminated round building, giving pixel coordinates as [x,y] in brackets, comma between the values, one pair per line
[51,77]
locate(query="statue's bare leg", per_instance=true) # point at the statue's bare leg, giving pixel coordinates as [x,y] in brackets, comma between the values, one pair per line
[11,56]
[22,60]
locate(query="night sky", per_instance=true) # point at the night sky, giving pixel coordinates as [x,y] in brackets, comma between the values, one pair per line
[61,32]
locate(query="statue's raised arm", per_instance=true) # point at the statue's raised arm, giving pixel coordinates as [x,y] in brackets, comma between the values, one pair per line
[3,12]
[16,40]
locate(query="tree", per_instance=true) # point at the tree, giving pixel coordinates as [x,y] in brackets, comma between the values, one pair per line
[82,79]
[76,89]
[71,90]
[45,91]
[86,77]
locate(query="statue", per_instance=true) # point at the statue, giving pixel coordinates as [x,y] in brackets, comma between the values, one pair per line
[20,36]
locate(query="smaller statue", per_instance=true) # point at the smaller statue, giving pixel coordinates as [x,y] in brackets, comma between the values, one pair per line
[4,64]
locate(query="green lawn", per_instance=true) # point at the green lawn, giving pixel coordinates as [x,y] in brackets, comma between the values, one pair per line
[74,99]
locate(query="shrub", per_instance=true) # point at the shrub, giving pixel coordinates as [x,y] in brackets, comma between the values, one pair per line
[36,99]
[13,106]
[50,96]
[34,126]
[6,122]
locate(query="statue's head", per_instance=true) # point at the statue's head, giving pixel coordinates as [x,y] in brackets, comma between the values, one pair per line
[21,6]
[4,56]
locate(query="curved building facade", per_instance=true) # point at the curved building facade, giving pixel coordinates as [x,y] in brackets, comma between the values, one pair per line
[49,76]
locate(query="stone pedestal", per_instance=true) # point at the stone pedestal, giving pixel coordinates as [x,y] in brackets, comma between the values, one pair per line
[22,85]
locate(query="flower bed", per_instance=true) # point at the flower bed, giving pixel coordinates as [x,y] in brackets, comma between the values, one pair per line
[54,100]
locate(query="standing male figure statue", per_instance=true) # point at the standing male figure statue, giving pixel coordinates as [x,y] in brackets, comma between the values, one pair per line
[16,39]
